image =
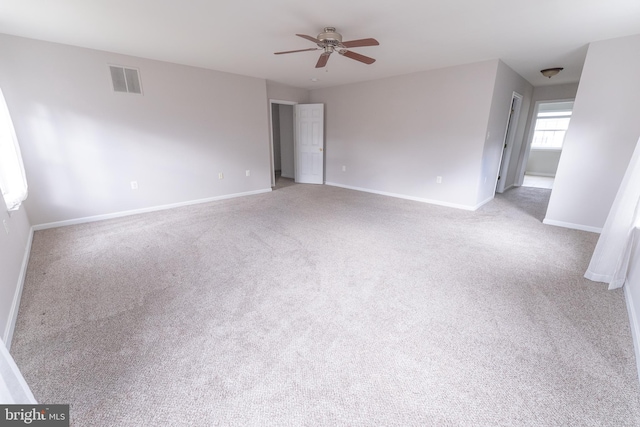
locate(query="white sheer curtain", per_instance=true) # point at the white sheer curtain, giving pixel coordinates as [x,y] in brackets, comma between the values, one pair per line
[13,182]
[13,387]
[610,260]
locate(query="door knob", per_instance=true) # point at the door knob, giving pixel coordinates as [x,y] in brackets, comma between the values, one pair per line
[321,149]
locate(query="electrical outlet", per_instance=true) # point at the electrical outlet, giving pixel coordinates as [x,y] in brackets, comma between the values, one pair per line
[438,180]
[220,175]
[6,226]
[344,168]
[248,172]
[134,185]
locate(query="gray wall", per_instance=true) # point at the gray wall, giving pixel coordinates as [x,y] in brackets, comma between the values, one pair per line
[396,135]
[603,132]
[507,81]
[83,144]
[13,247]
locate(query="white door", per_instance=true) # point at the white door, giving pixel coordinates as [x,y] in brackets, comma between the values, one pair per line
[309,143]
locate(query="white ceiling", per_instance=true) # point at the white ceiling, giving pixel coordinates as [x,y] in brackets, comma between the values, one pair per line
[240,36]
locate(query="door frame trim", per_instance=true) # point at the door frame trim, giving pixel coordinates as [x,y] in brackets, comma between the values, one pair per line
[513,120]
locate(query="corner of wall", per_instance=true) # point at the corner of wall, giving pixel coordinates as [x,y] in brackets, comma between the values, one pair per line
[602,134]
[506,82]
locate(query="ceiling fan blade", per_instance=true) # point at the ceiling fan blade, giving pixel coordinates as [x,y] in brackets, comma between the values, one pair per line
[294,51]
[311,39]
[361,43]
[357,57]
[322,61]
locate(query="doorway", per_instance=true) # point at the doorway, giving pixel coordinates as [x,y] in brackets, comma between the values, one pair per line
[549,125]
[282,142]
[296,143]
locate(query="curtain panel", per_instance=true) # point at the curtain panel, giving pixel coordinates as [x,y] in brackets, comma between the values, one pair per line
[13,181]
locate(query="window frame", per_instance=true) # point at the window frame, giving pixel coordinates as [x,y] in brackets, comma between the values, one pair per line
[550,115]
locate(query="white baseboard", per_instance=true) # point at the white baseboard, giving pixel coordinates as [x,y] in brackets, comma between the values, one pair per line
[504,190]
[403,196]
[15,305]
[571,225]
[483,203]
[635,327]
[143,210]
[546,175]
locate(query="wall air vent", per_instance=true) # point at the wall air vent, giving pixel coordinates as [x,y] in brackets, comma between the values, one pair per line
[125,79]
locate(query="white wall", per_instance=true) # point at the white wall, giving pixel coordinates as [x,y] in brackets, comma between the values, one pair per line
[543,162]
[604,128]
[396,135]
[286,141]
[280,92]
[564,91]
[507,81]
[83,144]
[14,247]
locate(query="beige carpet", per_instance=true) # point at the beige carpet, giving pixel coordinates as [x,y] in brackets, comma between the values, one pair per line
[315,305]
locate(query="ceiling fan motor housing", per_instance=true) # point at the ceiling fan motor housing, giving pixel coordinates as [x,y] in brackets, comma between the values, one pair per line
[329,37]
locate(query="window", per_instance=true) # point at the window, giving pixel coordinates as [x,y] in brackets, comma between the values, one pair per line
[550,129]
[13,182]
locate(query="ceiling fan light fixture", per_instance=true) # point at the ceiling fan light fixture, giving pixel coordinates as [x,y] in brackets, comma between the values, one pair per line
[550,72]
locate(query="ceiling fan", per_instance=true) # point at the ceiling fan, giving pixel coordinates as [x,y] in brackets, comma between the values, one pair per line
[330,41]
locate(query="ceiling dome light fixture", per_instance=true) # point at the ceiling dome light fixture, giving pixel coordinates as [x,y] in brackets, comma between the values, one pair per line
[550,72]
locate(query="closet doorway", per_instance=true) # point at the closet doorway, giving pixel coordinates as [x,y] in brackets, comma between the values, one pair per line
[282,138]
